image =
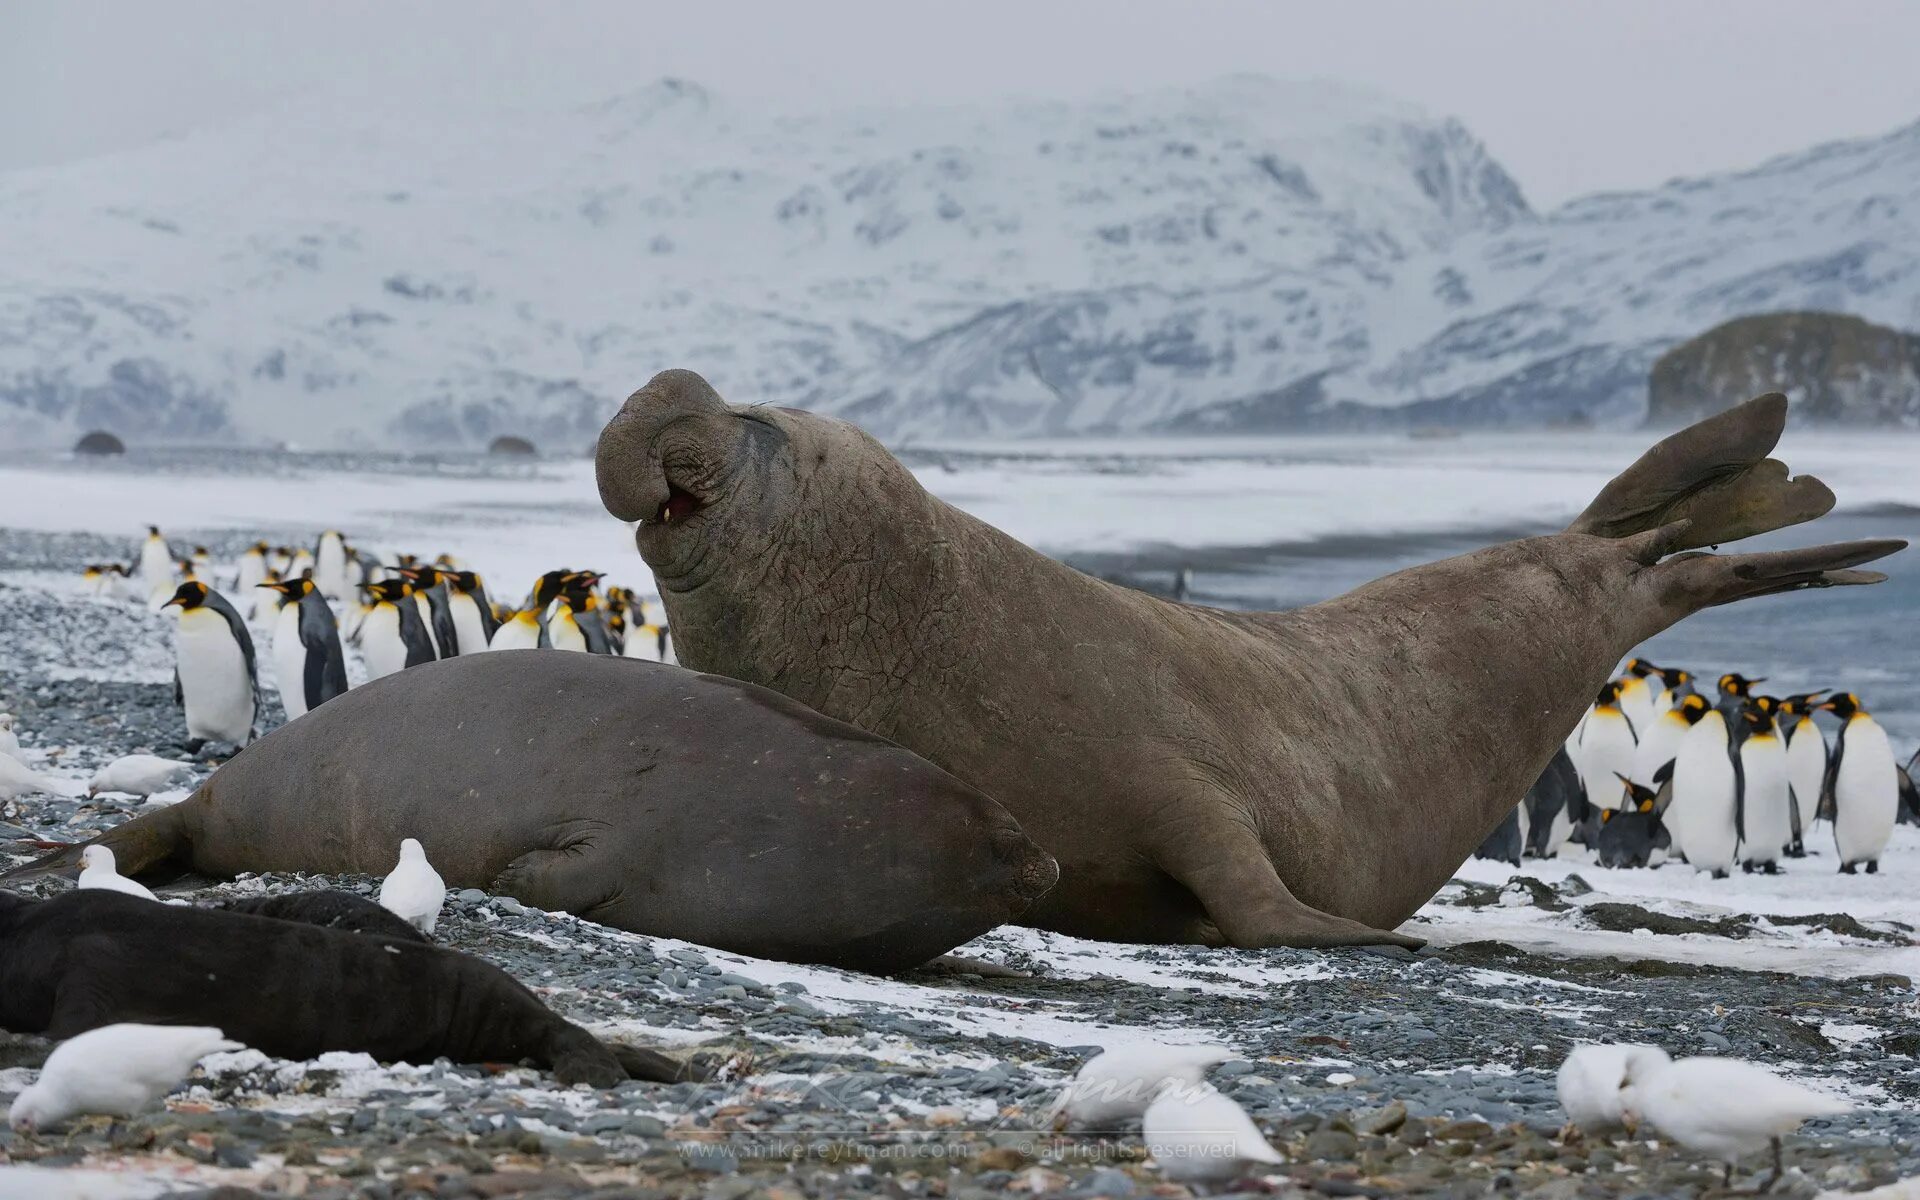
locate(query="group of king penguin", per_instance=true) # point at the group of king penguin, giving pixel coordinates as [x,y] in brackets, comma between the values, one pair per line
[311,604]
[1656,770]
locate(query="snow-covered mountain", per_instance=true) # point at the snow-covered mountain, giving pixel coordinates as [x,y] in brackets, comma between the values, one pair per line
[1247,254]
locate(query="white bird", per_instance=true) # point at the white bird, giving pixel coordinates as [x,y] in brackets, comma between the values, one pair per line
[9,742]
[1590,1082]
[17,780]
[1722,1106]
[98,871]
[137,775]
[414,891]
[1116,1086]
[1198,1135]
[116,1070]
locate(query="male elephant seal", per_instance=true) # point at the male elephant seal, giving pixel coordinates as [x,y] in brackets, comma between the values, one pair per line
[1304,778]
[631,793]
[290,989]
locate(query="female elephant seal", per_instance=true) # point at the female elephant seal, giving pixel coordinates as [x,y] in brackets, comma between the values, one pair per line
[1304,778]
[634,794]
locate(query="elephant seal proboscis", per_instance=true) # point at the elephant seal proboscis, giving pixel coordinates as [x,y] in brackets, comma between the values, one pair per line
[287,988]
[635,794]
[1304,778]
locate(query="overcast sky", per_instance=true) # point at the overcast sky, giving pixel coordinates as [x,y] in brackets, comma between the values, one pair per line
[1571,96]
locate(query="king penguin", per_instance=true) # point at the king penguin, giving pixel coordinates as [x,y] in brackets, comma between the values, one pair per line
[1806,764]
[1701,816]
[472,612]
[1653,757]
[156,561]
[1639,692]
[1734,691]
[1555,803]
[430,596]
[308,663]
[1862,786]
[1633,836]
[1763,817]
[1607,744]
[330,566]
[249,573]
[392,635]
[215,680]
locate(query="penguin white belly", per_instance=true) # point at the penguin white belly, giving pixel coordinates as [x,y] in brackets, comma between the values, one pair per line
[330,568]
[1806,771]
[1636,703]
[156,569]
[469,632]
[1606,752]
[290,661]
[1657,749]
[214,687]
[1700,817]
[1866,793]
[564,632]
[380,642]
[1765,799]
[515,634]
[643,642]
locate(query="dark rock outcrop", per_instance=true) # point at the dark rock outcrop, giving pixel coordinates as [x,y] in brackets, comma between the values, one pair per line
[509,446]
[99,442]
[1836,369]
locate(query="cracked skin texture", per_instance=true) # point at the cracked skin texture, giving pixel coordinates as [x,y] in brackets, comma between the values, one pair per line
[1303,778]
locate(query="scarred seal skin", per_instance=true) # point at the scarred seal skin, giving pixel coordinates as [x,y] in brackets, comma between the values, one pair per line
[635,794]
[1304,778]
[287,988]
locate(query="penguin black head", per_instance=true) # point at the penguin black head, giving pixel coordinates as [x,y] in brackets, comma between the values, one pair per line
[1675,678]
[1609,694]
[153,531]
[1641,667]
[1738,685]
[577,589]
[423,576]
[464,582]
[1640,798]
[1801,704]
[1693,708]
[1758,720]
[257,548]
[292,589]
[389,590]
[1845,706]
[548,586]
[1769,705]
[188,596]
[200,552]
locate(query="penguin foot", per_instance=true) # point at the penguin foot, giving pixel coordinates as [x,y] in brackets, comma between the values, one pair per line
[1772,868]
[1720,874]
[1873,868]
[1746,868]
[1849,868]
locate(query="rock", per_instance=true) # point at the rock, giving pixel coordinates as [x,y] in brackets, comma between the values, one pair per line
[1382,1120]
[1836,370]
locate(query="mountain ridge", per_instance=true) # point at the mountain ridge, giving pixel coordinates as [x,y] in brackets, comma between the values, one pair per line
[1250,254]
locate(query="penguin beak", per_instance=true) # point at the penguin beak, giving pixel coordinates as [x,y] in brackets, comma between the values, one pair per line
[173,603]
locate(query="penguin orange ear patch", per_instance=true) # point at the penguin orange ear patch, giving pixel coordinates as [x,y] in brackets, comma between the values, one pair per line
[1606,814]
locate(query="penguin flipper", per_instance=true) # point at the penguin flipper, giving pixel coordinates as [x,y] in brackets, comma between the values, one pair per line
[179,694]
[1829,789]
[1739,801]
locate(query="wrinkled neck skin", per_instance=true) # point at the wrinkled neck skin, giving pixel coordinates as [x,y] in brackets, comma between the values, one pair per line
[789,565]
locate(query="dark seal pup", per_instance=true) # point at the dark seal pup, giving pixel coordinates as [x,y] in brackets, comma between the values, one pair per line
[631,793]
[1304,778]
[287,988]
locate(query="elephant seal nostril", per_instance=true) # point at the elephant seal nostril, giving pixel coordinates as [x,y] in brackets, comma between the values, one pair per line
[1034,870]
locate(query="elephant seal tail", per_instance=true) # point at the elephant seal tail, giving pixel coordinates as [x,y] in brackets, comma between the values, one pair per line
[1715,477]
[138,846]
